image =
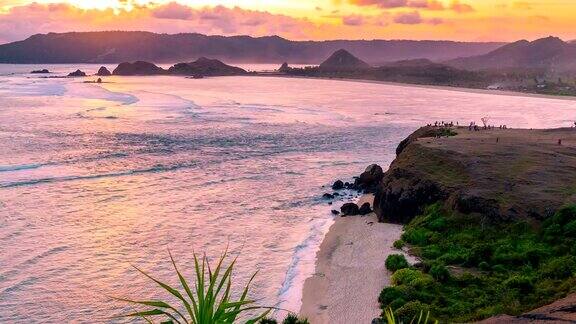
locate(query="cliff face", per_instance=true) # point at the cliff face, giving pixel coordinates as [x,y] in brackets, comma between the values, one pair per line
[497,174]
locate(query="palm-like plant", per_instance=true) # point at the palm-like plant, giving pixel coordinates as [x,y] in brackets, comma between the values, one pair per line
[392,319]
[209,303]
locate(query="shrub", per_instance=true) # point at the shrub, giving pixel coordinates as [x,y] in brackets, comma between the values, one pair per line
[268,321]
[570,229]
[484,266]
[440,272]
[560,268]
[522,283]
[406,276]
[411,311]
[293,319]
[399,244]
[390,294]
[395,262]
[416,236]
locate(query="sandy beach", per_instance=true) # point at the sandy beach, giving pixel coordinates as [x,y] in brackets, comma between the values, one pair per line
[350,270]
[437,87]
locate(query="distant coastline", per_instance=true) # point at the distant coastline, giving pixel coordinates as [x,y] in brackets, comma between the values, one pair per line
[430,86]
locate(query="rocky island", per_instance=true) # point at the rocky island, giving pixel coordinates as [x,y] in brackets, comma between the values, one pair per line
[489,231]
[203,67]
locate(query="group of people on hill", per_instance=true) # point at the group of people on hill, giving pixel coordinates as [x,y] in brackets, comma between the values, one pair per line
[476,128]
[442,124]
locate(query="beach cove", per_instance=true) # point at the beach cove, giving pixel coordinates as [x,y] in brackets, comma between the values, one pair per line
[96,177]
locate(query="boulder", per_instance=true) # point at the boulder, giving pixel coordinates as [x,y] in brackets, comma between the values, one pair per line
[338,185]
[138,68]
[328,196]
[350,209]
[43,71]
[371,176]
[335,212]
[103,71]
[365,209]
[77,73]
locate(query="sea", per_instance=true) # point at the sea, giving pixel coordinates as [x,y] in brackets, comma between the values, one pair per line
[98,178]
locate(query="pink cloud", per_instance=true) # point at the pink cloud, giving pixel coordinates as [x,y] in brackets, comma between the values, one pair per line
[22,21]
[408,18]
[353,20]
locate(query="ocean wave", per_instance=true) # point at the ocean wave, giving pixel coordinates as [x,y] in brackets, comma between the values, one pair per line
[8,168]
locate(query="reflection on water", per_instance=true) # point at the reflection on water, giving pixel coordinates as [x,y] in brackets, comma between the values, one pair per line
[94,178]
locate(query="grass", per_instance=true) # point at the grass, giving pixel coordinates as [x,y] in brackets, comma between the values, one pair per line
[209,302]
[474,269]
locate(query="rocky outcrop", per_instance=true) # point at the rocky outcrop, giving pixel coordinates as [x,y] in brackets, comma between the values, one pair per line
[138,68]
[77,73]
[370,178]
[204,67]
[43,71]
[499,175]
[103,71]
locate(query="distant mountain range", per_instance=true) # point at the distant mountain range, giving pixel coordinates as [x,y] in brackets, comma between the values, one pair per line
[119,46]
[548,55]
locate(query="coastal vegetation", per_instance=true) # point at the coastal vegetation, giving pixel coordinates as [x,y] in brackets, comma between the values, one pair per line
[473,268]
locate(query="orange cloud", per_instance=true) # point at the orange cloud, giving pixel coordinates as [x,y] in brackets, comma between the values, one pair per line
[22,21]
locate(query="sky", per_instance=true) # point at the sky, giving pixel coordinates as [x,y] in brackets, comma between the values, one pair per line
[462,20]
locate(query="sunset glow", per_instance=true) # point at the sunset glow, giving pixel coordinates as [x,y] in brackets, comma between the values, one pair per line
[467,20]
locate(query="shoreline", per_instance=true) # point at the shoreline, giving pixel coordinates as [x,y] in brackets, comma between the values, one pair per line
[350,270]
[430,86]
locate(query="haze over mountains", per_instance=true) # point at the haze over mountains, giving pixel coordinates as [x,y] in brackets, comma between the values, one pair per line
[550,55]
[118,46]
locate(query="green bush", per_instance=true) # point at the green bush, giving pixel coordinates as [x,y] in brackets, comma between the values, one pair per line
[522,283]
[440,272]
[399,244]
[411,311]
[560,268]
[416,236]
[406,276]
[395,262]
[484,266]
[293,319]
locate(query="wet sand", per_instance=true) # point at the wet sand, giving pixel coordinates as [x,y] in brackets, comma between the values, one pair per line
[350,271]
[437,87]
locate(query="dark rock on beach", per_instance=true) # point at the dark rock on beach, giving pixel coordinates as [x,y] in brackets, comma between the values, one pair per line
[365,209]
[338,185]
[328,196]
[370,178]
[103,71]
[349,209]
[335,212]
[43,71]
[77,73]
